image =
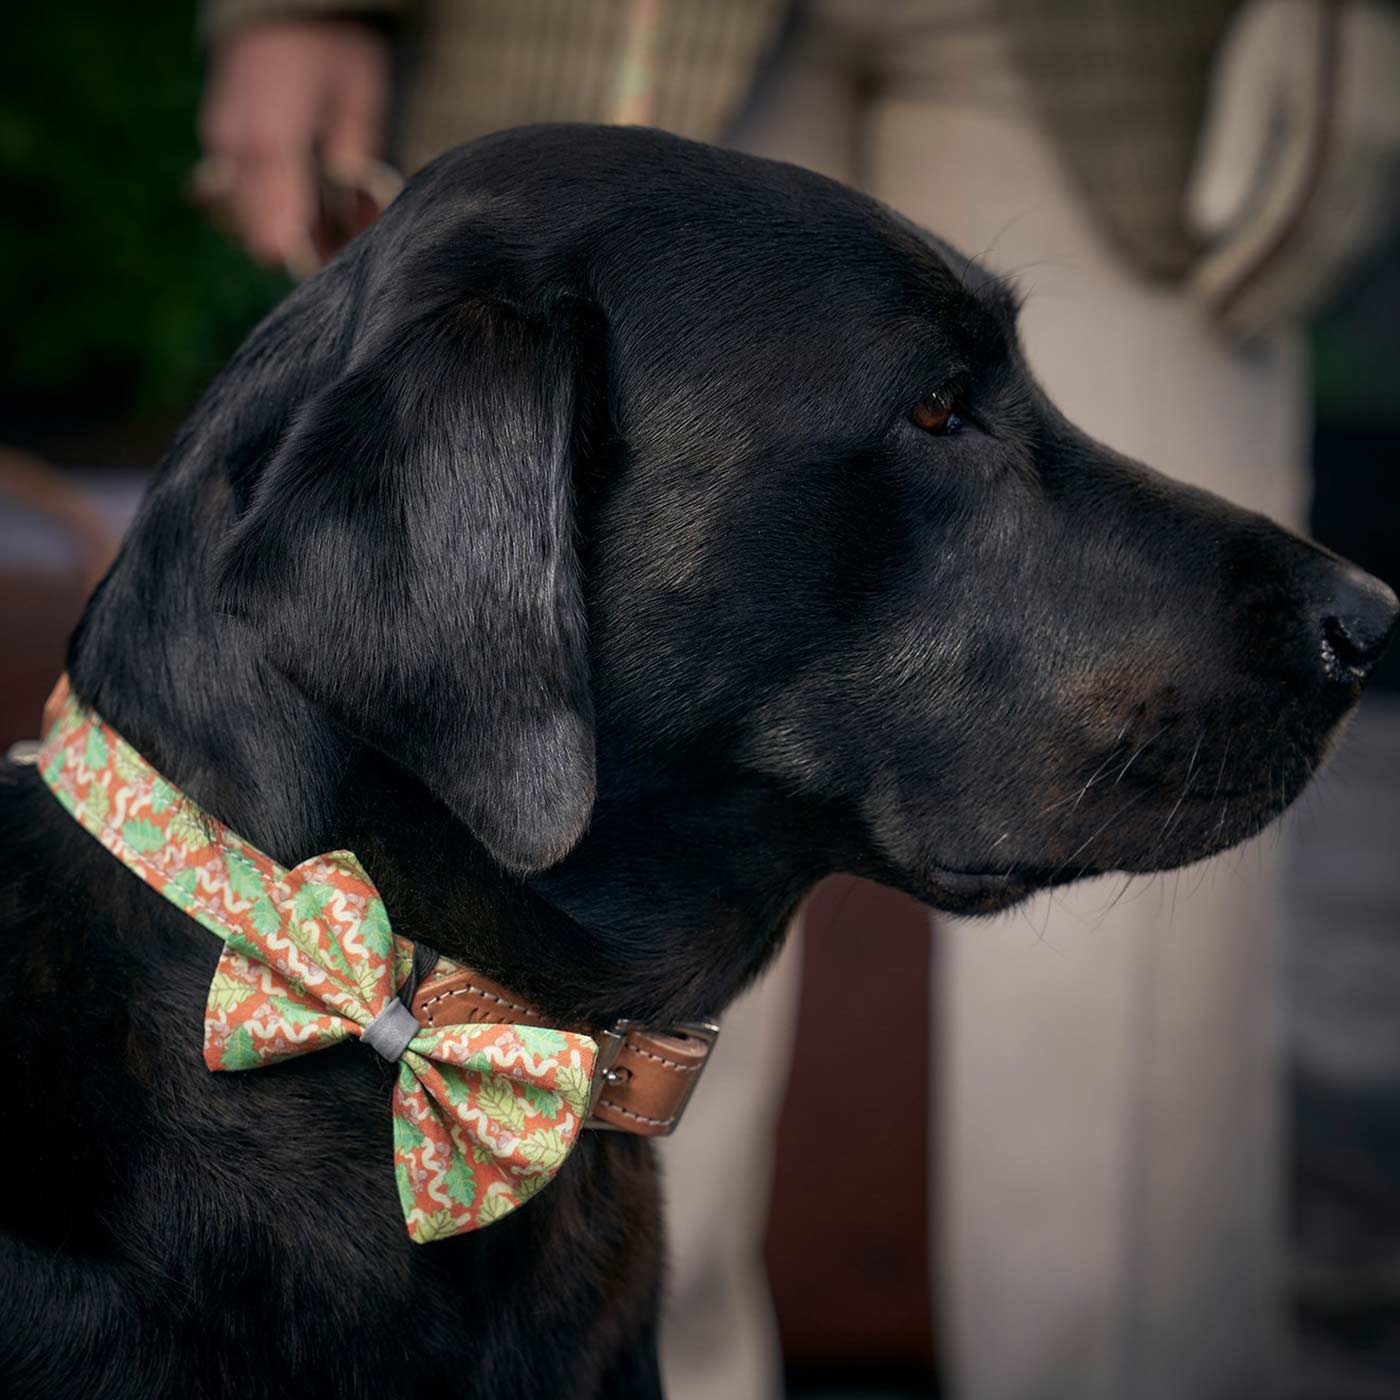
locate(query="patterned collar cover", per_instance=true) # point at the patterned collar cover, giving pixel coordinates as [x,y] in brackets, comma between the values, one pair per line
[484,1115]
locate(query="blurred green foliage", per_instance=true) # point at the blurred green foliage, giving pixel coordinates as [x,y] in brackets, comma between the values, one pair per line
[1356,347]
[117,297]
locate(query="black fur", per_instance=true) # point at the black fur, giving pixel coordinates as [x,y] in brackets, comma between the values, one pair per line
[567,551]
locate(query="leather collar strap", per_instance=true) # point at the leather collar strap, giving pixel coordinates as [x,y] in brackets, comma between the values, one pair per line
[490,1098]
[645,1075]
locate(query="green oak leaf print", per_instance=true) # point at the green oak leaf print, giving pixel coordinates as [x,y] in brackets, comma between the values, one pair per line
[240,1051]
[540,1041]
[573,1084]
[226,992]
[95,750]
[408,1136]
[309,900]
[403,960]
[437,1226]
[142,835]
[129,766]
[459,1181]
[541,1100]
[375,923]
[497,1100]
[97,803]
[494,1209]
[265,917]
[545,1149]
[298,1016]
[53,771]
[243,877]
[185,829]
[531,1184]
[181,887]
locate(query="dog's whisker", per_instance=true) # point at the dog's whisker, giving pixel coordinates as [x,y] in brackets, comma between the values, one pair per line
[1176,889]
[1093,835]
[1078,797]
[1220,772]
[1204,868]
[1185,789]
[1137,753]
[1108,758]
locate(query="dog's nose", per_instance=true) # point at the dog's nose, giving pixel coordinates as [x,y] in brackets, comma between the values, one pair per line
[1356,616]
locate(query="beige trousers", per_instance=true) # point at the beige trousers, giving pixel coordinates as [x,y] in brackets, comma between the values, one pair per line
[718,1339]
[1107,1183]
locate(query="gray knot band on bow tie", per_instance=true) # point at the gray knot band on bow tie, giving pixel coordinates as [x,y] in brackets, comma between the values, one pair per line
[389,1033]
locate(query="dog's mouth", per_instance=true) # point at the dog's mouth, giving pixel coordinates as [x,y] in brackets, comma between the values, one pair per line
[991,890]
[1191,830]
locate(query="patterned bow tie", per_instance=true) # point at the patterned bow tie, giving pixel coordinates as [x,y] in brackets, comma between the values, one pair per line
[484,1114]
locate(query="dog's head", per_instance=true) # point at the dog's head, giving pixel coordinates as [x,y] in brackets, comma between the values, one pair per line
[630,465]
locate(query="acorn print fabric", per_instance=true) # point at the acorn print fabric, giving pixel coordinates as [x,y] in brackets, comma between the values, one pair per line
[484,1115]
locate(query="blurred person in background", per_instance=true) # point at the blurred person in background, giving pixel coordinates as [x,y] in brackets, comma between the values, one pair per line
[1173,187]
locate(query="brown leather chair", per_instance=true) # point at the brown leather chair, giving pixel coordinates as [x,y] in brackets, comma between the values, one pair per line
[54,546]
[848,1229]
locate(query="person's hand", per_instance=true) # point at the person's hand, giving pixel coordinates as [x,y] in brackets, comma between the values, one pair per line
[281,97]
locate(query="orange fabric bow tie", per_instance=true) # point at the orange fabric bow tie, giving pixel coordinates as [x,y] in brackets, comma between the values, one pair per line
[484,1114]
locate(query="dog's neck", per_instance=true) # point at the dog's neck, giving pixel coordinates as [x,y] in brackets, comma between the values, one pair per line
[666,910]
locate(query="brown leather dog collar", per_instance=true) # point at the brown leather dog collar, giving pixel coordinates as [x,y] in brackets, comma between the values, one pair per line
[645,1074]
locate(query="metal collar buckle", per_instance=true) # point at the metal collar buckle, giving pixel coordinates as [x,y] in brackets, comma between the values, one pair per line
[610,1043]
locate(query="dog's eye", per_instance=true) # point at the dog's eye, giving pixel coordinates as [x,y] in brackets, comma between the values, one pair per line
[938,414]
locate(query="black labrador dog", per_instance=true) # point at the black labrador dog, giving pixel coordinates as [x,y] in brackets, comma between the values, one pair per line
[620,537]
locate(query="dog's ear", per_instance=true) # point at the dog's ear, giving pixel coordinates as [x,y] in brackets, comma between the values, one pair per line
[408,558]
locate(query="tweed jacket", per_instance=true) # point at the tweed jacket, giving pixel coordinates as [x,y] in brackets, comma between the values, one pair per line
[1123,89]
